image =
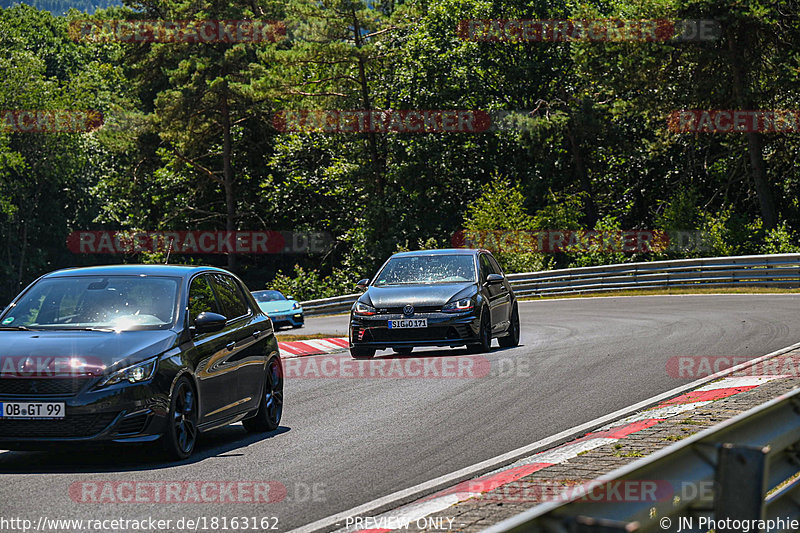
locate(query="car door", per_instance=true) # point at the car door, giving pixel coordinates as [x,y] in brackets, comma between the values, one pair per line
[505,301]
[247,344]
[495,293]
[216,384]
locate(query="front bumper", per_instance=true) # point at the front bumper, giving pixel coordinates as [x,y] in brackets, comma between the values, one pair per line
[121,413]
[295,318]
[444,329]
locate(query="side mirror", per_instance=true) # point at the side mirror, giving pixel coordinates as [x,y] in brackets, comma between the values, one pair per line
[290,297]
[209,322]
[363,284]
[491,279]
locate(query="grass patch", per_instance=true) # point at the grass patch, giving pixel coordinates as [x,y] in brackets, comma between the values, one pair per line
[676,291]
[633,453]
[784,484]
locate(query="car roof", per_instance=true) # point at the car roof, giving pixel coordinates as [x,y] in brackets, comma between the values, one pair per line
[132,270]
[446,251]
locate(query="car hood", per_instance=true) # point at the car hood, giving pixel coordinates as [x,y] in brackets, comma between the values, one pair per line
[98,351]
[419,295]
[277,306]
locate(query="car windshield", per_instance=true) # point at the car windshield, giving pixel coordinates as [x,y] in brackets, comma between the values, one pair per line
[268,296]
[413,269]
[96,302]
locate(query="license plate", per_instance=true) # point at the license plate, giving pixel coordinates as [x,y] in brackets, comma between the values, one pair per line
[32,410]
[408,323]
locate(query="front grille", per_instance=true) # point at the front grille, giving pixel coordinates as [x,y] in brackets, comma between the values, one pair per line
[408,334]
[71,426]
[132,424]
[41,387]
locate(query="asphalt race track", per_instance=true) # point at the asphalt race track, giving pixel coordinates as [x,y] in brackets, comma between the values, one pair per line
[346,441]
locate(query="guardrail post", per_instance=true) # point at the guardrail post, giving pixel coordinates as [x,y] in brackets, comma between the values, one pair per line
[741,480]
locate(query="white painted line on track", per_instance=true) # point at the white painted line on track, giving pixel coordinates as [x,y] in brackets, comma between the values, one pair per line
[739,381]
[323,345]
[312,347]
[411,494]
[566,452]
[660,412]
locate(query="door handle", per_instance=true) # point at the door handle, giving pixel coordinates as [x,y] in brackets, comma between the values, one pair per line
[230,346]
[256,334]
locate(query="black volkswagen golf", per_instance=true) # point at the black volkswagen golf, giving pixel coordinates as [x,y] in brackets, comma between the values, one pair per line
[135,354]
[450,298]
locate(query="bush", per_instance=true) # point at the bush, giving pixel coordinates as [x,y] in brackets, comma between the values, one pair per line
[309,285]
[500,208]
[780,240]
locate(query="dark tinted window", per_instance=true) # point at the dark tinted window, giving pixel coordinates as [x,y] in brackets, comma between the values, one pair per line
[230,296]
[486,268]
[495,266]
[201,298]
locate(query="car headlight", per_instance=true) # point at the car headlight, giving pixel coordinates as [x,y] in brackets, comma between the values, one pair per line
[296,305]
[132,374]
[364,309]
[459,306]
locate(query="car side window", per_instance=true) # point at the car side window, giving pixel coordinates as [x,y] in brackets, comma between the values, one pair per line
[495,265]
[230,296]
[201,298]
[486,268]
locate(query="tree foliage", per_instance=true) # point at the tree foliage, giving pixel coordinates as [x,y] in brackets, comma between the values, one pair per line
[190,139]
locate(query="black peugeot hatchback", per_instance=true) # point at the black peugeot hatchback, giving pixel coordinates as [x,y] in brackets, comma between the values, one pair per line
[135,354]
[453,297]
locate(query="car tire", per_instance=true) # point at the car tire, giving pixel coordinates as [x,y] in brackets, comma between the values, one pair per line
[406,350]
[270,408]
[180,436]
[362,352]
[296,326]
[485,340]
[512,339]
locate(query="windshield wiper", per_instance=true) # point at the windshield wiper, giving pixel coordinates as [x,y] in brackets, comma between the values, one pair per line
[84,328]
[15,328]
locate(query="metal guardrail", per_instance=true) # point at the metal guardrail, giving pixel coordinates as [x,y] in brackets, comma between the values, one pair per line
[778,270]
[743,469]
[324,306]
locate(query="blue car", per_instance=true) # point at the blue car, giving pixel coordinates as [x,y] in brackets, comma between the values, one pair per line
[281,310]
